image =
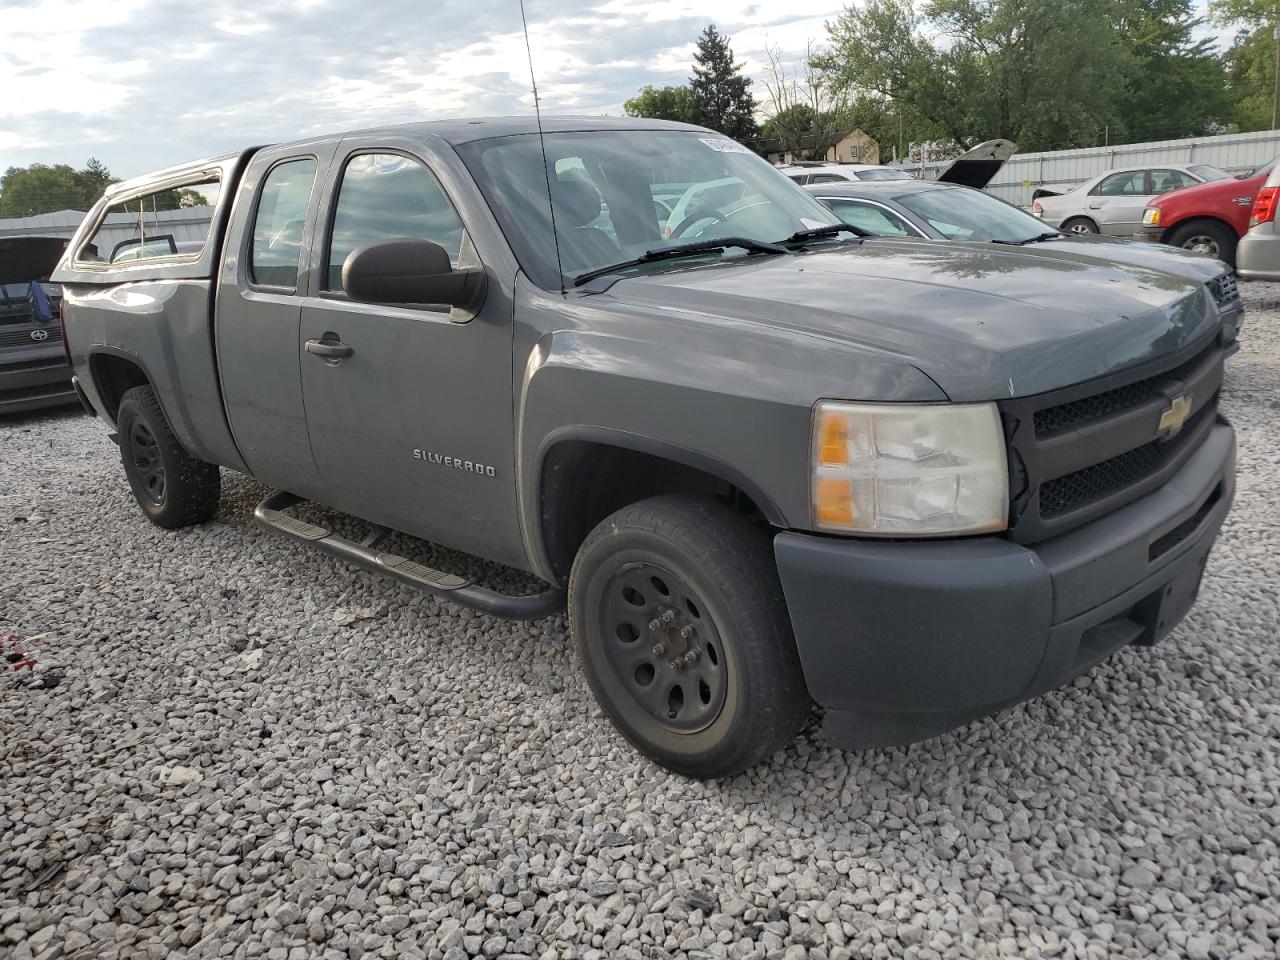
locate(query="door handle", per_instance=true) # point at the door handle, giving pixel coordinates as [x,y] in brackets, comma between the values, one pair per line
[329,349]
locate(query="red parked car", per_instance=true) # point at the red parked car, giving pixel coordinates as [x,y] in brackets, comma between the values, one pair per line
[1208,218]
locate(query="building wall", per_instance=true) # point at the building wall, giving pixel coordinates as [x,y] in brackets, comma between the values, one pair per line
[857,147]
[189,223]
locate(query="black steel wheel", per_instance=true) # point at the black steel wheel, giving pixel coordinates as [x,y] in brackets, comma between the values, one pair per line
[681,629]
[665,653]
[147,464]
[173,488]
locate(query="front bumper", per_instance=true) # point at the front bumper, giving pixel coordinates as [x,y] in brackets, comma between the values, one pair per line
[902,640]
[35,382]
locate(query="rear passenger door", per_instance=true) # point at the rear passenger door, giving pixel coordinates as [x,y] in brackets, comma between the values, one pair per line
[259,307]
[413,427]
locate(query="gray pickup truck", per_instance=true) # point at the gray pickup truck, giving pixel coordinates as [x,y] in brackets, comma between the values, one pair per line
[764,460]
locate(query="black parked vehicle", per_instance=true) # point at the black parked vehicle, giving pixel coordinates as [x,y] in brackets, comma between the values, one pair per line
[34,369]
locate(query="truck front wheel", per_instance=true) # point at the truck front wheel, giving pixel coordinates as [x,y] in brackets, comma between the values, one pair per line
[681,628]
[173,488]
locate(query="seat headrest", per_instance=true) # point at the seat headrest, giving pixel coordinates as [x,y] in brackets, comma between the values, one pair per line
[577,201]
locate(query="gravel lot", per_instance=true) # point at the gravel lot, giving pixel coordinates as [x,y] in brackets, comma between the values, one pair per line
[242,748]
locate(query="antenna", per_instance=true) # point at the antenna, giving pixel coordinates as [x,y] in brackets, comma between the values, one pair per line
[542,142]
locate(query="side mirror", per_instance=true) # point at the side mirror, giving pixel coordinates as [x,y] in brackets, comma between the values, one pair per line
[410,272]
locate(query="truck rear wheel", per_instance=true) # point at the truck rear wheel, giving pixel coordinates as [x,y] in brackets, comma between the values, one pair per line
[681,628]
[173,488]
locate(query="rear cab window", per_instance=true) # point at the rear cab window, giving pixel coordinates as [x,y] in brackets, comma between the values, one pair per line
[279,221]
[173,223]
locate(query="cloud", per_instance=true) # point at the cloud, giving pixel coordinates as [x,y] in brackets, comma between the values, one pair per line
[142,84]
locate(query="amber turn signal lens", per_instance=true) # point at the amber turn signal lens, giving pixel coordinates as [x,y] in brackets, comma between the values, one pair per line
[834,502]
[833,439]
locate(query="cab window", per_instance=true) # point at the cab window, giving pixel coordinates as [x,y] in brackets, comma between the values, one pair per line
[386,196]
[173,223]
[278,223]
[871,218]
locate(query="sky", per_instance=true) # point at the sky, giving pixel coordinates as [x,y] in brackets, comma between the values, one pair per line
[143,84]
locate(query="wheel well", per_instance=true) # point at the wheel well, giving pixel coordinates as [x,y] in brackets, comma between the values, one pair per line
[583,481]
[1189,221]
[112,377]
[1080,216]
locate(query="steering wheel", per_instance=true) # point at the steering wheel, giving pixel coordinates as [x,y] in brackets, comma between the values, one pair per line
[702,213]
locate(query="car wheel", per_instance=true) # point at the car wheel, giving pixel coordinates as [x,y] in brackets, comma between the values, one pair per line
[680,626]
[173,488]
[1080,225]
[1208,238]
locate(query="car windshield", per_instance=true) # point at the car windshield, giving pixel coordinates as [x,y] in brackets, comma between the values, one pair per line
[622,194]
[1207,173]
[885,173]
[959,213]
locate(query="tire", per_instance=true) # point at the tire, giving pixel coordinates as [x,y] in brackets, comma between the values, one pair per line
[1210,238]
[706,577]
[173,488]
[1079,226]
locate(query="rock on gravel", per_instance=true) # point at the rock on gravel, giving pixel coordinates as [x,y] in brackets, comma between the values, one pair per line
[426,782]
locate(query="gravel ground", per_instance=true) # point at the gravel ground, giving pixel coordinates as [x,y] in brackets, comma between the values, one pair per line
[237,747]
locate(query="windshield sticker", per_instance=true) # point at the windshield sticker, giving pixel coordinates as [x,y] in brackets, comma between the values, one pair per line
[721,145]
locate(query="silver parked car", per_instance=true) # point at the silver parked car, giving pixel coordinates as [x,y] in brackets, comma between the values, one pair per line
[1258,252]
[807,171]
[1112,202]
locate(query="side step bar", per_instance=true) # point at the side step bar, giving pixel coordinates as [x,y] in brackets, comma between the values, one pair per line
[270,513]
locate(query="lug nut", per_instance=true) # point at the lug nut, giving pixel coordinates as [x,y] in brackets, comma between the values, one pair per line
[668,616]
[654,625]
[659,649]
[676,665]
[686,632]
[691,657]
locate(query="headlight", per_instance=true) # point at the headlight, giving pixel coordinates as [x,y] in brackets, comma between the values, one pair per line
[1151,217]
[904,469]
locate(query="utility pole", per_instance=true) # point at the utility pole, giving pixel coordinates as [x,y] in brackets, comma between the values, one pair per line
[1275,93]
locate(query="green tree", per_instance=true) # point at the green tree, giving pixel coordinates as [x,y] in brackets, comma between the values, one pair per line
[42,188]
[1177,85]
[1044,73]
[1250,13]
[721,94]
[662,103]
[1250,79]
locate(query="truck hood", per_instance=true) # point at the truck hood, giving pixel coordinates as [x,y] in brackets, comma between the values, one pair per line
[1135,253]
[983,324]
[24,259]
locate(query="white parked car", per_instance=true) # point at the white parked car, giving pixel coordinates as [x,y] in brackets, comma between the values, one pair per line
[803,173]
[1112,202]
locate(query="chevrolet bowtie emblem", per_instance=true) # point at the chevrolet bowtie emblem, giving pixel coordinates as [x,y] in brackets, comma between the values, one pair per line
[1172,419]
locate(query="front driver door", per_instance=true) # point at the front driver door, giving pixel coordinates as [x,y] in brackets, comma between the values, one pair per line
[1116,203]
[413,427]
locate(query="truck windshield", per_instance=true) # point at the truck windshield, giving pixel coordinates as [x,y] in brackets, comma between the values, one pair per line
[959,213]
[618,195]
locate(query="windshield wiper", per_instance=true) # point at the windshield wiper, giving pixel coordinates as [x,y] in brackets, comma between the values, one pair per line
[681,250]
[830,230]
[1038,238]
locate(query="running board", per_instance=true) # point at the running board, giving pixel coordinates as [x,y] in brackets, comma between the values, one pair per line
[270,513]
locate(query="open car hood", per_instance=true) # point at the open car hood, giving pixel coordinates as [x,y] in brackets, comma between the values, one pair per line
[975,168]
[24,259]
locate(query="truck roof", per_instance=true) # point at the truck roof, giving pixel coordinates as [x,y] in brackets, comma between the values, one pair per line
[462,130]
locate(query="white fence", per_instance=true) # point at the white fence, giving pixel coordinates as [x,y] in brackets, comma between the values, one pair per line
[1017,179]
[188,223]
